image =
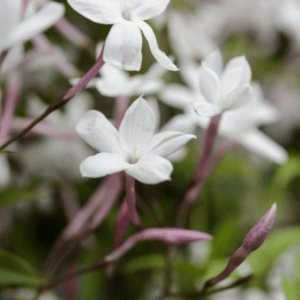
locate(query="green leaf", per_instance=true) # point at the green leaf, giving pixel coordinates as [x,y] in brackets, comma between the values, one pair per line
[146,262]
[9,277]
[263,258]
[91,284]
[16,270]
[290,288]
[11,261]
[225,238]
[13,195]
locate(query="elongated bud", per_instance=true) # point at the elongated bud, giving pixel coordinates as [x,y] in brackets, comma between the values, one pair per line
[167,235]
[257,235]
[253,240]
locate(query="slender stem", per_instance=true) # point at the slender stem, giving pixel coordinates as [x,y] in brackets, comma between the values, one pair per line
[202,172]
[78,38]
[121,104]
[61,101]
[98,265]
[131,201]
[205,292]
[80,227]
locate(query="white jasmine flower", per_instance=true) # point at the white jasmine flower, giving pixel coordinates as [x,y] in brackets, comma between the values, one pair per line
[124,42]
[135,148]
[14,29]
[240,125]
[222,90]
[61,150]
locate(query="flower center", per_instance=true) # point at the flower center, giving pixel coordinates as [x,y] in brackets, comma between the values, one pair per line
[126,14]
[221,102]
[134,155]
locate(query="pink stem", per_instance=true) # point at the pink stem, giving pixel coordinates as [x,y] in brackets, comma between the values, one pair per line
[63,99]
[70,201]
[79,227]
[69,31]
[202,172]
[110,199]
[43,44]
[121,105]
[122,223]
[131,201]
[71,285]
[13,90]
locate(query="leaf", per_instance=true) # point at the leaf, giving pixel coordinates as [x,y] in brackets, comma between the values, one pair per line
[13,195]
[290,288]
[225,239]
[8,277]
[146,262]
[11,261]
[16,270]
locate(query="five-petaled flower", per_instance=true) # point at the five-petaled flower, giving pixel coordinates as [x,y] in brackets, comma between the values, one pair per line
[222,90]
[124,42]
[135,148]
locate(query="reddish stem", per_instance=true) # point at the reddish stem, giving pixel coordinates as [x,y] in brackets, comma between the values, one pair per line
[202,172]
[63,99]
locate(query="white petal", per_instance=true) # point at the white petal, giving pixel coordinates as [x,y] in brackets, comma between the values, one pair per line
[9,14]
[237,72]
[151,170]
[237,98]
[214,61]
[39,22]
[209,84]
[98,132]
[159,55]
[143,9]
[242,63]
[167,142]
[261,144]
[137,127]
[99,11]
[113,82]
[123,46]
[206,109]
[102,164]
[176,95]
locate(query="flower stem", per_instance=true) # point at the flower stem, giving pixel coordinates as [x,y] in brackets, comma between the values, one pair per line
[61,101]
[131,201]
[202,172]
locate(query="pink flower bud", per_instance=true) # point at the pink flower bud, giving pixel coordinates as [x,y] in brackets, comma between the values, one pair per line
[167,235]
[257,235]
[253,240]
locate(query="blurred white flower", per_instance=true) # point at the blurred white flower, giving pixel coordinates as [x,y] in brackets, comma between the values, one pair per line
[60,151]
[123,46]
[135,148]
[14,29]
[25,294]
[285,96]
[240,125]
[286,18]
[222,90]
[188,34]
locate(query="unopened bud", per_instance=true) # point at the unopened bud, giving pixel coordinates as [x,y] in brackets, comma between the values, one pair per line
[253,240]
[257,235]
